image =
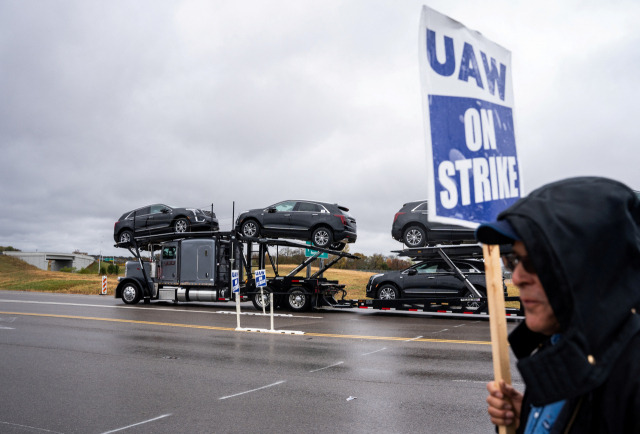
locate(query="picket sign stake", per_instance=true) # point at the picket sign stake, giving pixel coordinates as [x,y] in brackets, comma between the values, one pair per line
[497,320]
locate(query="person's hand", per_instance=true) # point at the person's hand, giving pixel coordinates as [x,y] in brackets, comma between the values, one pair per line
[505,404]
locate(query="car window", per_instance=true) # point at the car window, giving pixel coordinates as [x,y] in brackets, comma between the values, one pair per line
[466,268]
[422,207]
[169,252]
[431,268]
[139,212]
[285,206]
[309,207]
[156,209]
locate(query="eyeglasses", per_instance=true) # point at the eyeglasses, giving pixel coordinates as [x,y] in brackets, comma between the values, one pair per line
[511,261]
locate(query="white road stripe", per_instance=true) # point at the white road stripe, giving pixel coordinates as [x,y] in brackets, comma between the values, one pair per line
[372,352]
[413,339]
[29,427]
[139,423]
[253,390]
[327,367]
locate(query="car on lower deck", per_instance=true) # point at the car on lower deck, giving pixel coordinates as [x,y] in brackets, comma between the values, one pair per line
[324,224]
[160,218]
[430,278]
[412,227]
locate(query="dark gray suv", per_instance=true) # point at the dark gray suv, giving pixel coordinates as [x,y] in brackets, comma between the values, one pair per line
[430,278]
[411,227]
[324,224]
[160,218]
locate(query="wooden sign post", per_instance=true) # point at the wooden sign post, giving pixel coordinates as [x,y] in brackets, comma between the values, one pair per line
[497,319]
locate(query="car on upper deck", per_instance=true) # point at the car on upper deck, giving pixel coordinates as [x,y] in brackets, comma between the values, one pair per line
[412,228]
[326,225]
[159,218]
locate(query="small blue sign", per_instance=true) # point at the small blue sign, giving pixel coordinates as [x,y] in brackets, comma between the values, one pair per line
[235,281]
[261,278]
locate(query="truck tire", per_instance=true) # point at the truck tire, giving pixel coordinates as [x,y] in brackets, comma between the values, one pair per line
[298,299]
[473,305]
[388,292]
[257,300]
[131,293]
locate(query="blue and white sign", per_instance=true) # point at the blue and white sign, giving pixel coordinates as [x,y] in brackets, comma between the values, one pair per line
[235,281]
[467,98]
[261,278]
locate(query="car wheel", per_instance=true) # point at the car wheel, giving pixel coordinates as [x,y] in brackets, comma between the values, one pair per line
[338,246]
[181,225]
[131,293]
[414,236]
[298,300]
[260,300]
[322,237]
[473,305]
[388,292]
[250,228]
[125,237]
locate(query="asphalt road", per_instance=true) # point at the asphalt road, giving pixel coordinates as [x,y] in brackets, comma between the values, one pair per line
[90,364]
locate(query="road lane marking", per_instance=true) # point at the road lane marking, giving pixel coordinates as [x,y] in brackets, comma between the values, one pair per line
[252,390]
[413,339]
[373,352]
[136,424]
[7,328]
[29,427]
[327,367]
[193,326]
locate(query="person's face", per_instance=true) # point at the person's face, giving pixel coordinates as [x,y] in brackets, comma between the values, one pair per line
[538,313]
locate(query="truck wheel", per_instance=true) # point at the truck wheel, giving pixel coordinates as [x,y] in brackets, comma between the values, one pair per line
[258,300]
[473,305]
[131,293]
[388,292]
[298,300]
[250,228]
[414,236]
[322,237]
[181,225]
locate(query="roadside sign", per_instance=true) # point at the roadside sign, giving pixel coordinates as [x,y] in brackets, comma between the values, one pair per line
[467,95]
[235,281]
[261,278]
[310,252]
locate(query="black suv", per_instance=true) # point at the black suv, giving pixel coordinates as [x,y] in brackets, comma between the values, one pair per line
[324,224]
[430,278]
[159,218]
[411,227]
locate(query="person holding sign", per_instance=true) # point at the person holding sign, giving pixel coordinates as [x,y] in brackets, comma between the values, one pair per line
[575,256]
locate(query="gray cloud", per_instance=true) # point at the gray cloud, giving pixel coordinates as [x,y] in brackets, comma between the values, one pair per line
[107,106]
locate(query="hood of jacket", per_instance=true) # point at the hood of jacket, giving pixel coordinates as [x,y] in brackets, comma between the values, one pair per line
[583,237]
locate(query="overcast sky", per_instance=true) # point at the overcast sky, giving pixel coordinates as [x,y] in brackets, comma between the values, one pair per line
[106,106]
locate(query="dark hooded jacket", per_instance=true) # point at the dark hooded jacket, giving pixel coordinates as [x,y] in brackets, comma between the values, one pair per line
[583,237]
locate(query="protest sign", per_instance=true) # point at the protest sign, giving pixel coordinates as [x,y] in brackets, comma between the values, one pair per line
[473,166]
[469,128]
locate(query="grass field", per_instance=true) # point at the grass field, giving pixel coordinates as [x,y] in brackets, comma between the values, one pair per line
[17,275]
